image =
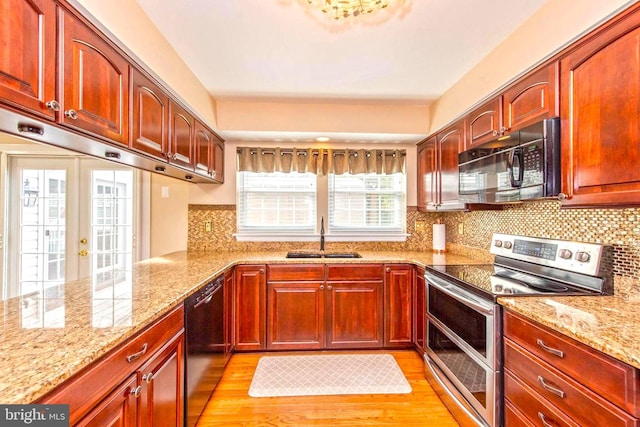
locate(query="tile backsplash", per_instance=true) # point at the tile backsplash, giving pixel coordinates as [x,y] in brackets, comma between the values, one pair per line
[619,228]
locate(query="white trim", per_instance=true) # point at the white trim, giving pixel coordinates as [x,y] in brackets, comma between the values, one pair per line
[284,237]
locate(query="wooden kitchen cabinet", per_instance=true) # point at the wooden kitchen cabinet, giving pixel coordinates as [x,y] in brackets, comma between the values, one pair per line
[94,82]
[398,313]
[554,378]
[484,123]
[600,100]
[427,174]
[149,116]
[419,310]
[203,150]
[218,161]
[355,306]
[181,133]
[296,314]
[28,56]
[250,307]
[138,381]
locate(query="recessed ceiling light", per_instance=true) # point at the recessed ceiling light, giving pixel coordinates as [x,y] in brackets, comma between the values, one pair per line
[322,139]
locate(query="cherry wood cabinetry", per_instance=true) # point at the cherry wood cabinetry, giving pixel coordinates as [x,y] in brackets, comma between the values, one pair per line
[138,382]
[208,152]
[553,379]
[427,174]
[600,102]
[181,132]
[94,81]
[217,172]
[250,307]
[296,316]
[149,116]
[419,310]
[398,313]
[525,102]
[355,306]
[28,55]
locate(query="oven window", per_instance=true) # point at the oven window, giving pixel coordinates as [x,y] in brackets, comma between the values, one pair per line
[470,373]
[462,320]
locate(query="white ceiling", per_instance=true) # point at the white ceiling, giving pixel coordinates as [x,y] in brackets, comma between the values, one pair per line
[281,49]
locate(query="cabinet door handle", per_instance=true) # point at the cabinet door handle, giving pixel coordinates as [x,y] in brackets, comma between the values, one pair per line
[134,356]
[72,114]
[388,269]
[550,388]
[262,271]
[135,392]
[548,349]
[321,287]
[329,287]
[147,378]
[53,105]
[545,422]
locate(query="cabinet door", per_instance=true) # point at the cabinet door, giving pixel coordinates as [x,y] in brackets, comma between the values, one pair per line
[181,133]
[250,307]
[398,306]
[149,116]
[203,149]
[94,82]
[450,144]
[28,54]
[162,382]
[218,161]
[427,175]
[600,106]
[296,315]
[419,307]
[229,279]
[117,409]
[484,123]
[355,314]
[531,99]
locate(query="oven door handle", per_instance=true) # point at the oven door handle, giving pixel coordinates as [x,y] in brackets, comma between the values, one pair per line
[459,295]
[455,398]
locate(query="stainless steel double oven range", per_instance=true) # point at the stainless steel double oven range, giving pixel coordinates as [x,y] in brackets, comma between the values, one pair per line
[464,323]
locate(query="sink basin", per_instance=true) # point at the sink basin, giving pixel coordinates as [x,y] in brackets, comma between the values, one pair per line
[323,255]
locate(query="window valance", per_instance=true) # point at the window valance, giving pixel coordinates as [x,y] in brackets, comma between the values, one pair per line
[321,161]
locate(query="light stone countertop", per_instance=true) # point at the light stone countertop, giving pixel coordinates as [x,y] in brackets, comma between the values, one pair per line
[47,339]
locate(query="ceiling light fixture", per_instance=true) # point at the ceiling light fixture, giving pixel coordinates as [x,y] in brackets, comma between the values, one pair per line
[342,9]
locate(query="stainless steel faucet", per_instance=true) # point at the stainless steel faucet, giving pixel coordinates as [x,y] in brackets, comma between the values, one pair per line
[322,233]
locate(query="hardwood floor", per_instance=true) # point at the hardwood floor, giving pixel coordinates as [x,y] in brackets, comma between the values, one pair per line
[231,405]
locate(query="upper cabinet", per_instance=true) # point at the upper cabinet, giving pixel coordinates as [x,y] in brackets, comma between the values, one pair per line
[57,69]
[600,99]
[527,101]
[438,169]
[27,72]
[149,116]
[94,82]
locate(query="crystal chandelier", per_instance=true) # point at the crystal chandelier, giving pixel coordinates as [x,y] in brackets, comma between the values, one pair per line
[341,9]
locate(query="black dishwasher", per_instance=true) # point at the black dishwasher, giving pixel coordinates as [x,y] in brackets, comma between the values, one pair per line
[205,345]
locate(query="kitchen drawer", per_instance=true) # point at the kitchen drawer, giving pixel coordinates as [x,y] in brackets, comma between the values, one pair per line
[605,375]
[532,407]
[354,272]
[82,391]
[295,272]
[572,398]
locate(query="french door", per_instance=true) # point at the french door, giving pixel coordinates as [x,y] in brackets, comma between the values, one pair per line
[70,218]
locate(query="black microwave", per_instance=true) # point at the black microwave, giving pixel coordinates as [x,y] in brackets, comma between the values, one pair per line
[524,165]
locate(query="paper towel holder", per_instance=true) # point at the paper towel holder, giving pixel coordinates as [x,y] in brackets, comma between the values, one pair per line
[439,243]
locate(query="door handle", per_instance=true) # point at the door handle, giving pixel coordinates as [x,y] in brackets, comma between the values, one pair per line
[83,252]
[83,240]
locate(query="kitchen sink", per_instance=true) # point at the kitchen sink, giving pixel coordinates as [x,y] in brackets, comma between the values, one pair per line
[323,255]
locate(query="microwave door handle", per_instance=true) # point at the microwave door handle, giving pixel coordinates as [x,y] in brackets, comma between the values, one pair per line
[516,160]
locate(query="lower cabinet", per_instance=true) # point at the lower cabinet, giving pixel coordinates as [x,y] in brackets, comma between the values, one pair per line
[317,306]
[140,383]
[552,380]
[398,304]
[250,307]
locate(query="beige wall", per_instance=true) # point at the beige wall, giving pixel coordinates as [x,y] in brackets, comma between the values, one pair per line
[137,33]
[169,215]
[553,26]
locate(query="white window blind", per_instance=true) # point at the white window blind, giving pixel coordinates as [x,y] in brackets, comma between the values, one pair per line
[276,202]
[369,203]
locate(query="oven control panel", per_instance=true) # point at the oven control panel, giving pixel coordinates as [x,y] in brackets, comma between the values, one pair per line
[578,257]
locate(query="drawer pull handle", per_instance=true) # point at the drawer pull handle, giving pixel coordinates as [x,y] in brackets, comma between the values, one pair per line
[134,356]
[550,388]
[548,349]
[546,423]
